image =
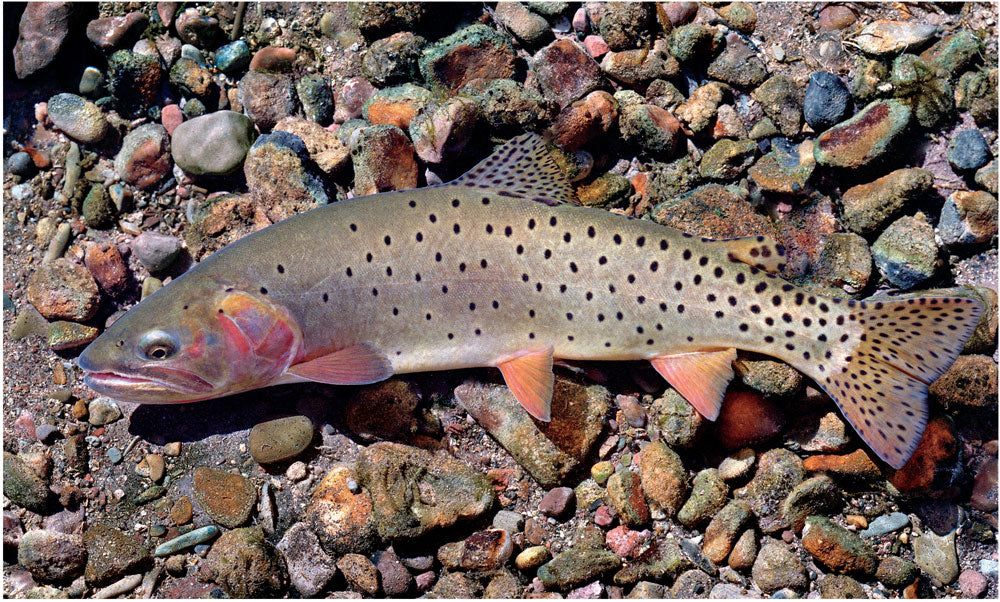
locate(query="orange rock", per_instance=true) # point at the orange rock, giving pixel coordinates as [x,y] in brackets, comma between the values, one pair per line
[933,464]
[856,465]
[392,112]
[273,58]
[585,120]
[747,418]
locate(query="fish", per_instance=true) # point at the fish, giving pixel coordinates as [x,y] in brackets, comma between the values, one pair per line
[503,268]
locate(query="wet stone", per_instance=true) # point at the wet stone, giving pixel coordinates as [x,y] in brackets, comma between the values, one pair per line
[282,178]
[106,265]
[155,251]
[324,147]
[935,554]
[906,252]
[724,529]
[777,568]
[396,580]
[194,81]
[626,26]
[63,290]
[579,564]
[280,439]
[661,560]
[476,52]
[246,565]
[50,555]
[886,523]
[778,472]
[968,150]
[383,160]
[972,583]
[823,432]
[738,65]
[507,106]
[747,418]
[227,498]
[108,33]
[727,159]
[885,38]
[845,262]
[43,29]
[374,18]
[838,549]
[865,137]
[198,30]
[406,506]
[566,72]
[233,58]
[111,554]
[866,207]
[22,486]
[98,209]
[549,451]
[744,552]
[663,478]
[267,98]
[79,118]
[971,382]
[441,132]
[532,557]
[737,464]
[977,93]
[780,98]
[530,28]
[341,517]
[708,496]
[984,488]
[694,42]
[641,65]
[393,60]
[396,106]
[785,169]
[713,211]
[486,550]
[360,573]
[840,587]
[674,420]
[651,128]
[896,572]
[69,335]
[987,177]
[627,498]
[134,81]
[181,511]
[213,144]
[826,101]
[691,584]
[557,502]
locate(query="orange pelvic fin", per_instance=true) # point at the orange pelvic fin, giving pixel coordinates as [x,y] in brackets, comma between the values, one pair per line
[700,377]
[360,364]
[758,251]
[529,376]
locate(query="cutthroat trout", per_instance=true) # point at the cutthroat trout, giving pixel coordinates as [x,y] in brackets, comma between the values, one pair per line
[501,268]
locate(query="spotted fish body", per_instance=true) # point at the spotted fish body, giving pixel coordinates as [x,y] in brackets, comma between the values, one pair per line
[478,273]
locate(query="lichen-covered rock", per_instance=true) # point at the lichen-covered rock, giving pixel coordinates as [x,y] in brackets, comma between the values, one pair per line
[530,28]
[815,496]
[778,472]
[906,252]
[340,513]
[738,65]
[112,554]
[968,218]
[309,567]
[23,486]
[708,496]
[896,572]
[651,128]
[144,158]
[134,81]
[383,160]
[845,262]
[282,178]
[674,420]
[580,563]
[393,60]
[723,530]
[626,497]
[867,207]
[63,290]
[781,100]
[415,492]
[316,97]
[777,568]
[324,147]
[626,25]
[441,132]
[267,98]
[663,478]
[396,106]
[952,54]
[713,211]
[865,137]
[727,159]
[695,42]
[971,382]
[79,118]
[246,565]
[550,451]
[785,169]
[476,52]
[977,93]
[641,65]
[376,19]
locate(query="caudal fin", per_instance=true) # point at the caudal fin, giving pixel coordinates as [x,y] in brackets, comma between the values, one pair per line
[901,348]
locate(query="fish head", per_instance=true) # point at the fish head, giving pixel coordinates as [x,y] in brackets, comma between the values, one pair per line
[192,340]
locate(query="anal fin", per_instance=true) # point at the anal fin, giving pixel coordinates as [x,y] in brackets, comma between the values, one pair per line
[360,364]
[529,376]
[701,377]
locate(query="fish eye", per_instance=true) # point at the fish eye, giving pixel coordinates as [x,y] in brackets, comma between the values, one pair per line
[157,345]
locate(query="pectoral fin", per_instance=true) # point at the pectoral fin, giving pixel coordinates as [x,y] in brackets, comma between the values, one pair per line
[360,364]
[700,377]
[529,376]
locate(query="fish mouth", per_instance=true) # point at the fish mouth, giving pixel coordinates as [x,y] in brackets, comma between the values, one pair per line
[171,386]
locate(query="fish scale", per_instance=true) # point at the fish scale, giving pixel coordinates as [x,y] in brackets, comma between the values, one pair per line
[499,269]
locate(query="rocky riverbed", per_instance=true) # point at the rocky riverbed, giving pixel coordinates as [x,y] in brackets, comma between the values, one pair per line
[142,137]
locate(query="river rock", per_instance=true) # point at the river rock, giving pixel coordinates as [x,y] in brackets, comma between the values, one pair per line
[309,567]
[838,549]
[865,137]
[778,472]
[566,72]
[280,439]
[51,555]
[476,52]
[156,251]
[246,565]
[144,158]
[79,118]
[112,554]
[777,568]
[63,290]
[23,486]
[935,555]
[340,513]
[42,31]
[227,498]
[885,38]
[213,144]
[108,33]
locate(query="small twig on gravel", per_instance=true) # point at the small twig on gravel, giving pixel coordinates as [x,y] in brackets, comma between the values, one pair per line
[241,8]
[129,447]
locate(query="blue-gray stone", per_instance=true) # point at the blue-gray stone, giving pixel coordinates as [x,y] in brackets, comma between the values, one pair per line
[21,192]
[233,57]
[187,540]
[826,101]
[157,531]
[114,455]
[213,144]
[887,523]
[191,52]
[988,567]
[968,150]
[20,164]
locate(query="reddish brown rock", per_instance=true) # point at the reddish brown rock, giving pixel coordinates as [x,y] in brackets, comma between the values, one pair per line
[227,498]
[855,466]
[108,268]
[585,120]
[836,16]
[273,58]
[747,418]
[63,290]
[837,548]
[383,160]
[340,513]
[144,158]
[108,33]
[171,116]
[566,72]
[934,464]
[351,98]
[867,136]
[42,31]
[476,52]
[984,489]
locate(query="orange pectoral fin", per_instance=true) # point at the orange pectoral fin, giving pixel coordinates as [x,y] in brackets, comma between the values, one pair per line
[361,364]
[700,377]
[529,376]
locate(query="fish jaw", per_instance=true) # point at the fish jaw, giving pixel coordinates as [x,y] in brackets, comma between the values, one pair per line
[169,385]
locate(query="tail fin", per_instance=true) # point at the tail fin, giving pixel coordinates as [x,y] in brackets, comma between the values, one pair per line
[899,348]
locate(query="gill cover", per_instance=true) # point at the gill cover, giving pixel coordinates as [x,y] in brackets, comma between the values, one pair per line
[262,339]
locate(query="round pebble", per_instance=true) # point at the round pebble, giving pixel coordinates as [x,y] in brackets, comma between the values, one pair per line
[826,100]
[20,164]
[79,118]
[281,439]
[213,144]
[968,150]
[156,251]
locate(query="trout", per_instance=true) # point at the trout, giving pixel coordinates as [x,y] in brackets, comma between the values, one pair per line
[501,268]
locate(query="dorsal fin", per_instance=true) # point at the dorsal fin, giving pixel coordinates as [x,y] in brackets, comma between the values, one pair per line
[758,251]
[521,168]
